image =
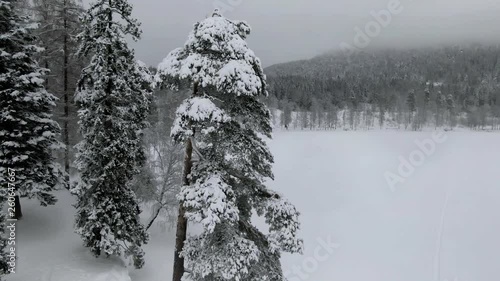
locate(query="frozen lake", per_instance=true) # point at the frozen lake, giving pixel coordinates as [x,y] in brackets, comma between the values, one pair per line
[441,223]
[438,220]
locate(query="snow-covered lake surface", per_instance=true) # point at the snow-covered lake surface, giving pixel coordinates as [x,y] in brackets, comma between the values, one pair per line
[441,223]
[338,182]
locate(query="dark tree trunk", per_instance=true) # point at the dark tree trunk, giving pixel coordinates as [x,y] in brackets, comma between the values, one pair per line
[182,223]
[181,233]
[66,97]
[180,237]
[17,208]
[154,218]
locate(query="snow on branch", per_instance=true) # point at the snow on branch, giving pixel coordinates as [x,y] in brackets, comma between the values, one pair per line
[209,202]
[283,219]
[233,261]
[239,78]
[196,109]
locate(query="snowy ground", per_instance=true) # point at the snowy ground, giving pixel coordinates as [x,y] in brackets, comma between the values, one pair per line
[48,250]
[337,180]
[442,223]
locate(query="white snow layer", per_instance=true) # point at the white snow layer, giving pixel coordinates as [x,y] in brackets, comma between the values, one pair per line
[198,109]
[48,249]
[440,224]
[211,198]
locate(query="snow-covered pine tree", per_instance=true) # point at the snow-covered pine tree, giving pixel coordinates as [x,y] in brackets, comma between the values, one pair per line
[28,134]
[411,103]
[450,108]
[427,100]
[114,95]
[440,104]
[225,126]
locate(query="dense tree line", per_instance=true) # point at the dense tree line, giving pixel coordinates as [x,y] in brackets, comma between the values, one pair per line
[411,88]
[58,26]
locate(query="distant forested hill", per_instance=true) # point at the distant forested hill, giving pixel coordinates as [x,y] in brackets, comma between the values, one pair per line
[438,86]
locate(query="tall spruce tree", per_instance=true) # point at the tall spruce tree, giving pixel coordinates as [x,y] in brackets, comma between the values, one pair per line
[450,108]
[114,96]
[224,126]
[440,104]
[59,24]
[427,100]
[28,135]
[411,103]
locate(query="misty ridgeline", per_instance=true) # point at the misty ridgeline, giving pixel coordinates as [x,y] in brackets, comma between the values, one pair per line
[83,113]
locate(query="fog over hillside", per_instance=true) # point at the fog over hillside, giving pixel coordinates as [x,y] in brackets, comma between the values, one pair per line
[286,30]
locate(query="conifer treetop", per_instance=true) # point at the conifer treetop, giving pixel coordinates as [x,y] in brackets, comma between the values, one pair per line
[215,56]
[102,29]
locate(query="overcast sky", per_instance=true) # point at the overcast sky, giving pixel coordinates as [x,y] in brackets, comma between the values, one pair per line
[285,30]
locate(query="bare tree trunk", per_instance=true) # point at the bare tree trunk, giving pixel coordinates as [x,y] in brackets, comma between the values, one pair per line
[182,223]
[181,233]
[153,219]
[66,96]
[17,208]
